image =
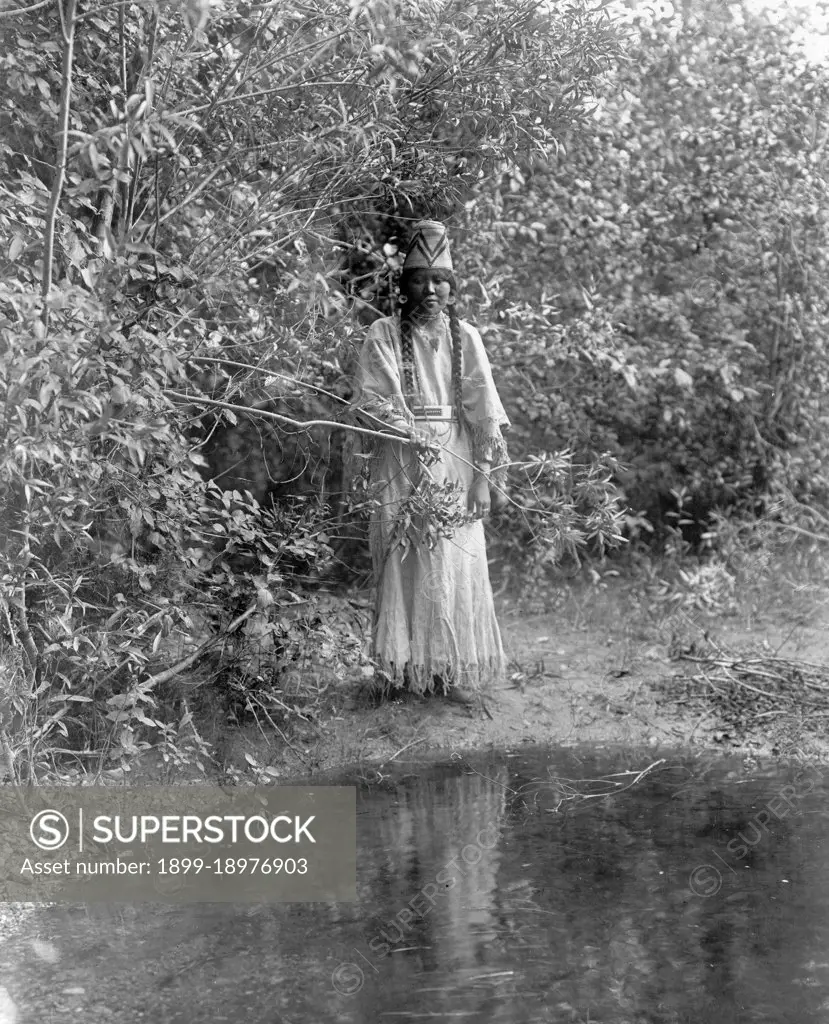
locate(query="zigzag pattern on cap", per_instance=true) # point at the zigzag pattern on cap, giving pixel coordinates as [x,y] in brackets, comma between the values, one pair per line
[429,248]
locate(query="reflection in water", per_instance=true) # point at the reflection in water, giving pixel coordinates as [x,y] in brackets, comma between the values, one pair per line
[482,898]
[438,860]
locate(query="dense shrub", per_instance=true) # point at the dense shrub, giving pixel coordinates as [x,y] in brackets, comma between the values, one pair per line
[659,289]
[181,189]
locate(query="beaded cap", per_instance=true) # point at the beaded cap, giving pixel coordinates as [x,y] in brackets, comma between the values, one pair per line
[429,248]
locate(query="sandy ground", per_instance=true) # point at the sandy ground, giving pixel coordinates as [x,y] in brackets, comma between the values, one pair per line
[601,663]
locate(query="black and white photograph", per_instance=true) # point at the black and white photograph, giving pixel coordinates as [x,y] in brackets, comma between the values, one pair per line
[414,511]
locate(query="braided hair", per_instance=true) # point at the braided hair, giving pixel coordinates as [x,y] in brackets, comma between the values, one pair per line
[407,350]
[457,361]
[406,347]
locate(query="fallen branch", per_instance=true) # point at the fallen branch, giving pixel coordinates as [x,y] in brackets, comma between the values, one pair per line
[285,739]
[201,650]
[568,791]
[411,743]
[748,687]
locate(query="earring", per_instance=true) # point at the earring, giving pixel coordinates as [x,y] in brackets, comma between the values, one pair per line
[403,299]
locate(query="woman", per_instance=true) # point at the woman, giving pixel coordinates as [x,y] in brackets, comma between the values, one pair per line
[425,376]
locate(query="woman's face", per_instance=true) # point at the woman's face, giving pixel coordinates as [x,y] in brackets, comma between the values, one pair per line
[429,291]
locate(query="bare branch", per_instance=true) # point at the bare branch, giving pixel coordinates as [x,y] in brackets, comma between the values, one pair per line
[68,29]
[111,7]
[324,44]
[287,420]
[24,10]
[201,650]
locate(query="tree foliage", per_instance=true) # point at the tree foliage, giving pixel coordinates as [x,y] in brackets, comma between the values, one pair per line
[182,187]
[659,289]
[199,206]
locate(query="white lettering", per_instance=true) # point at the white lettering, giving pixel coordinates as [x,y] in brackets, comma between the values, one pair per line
[259,820]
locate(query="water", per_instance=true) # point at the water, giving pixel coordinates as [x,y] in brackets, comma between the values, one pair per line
[492,892]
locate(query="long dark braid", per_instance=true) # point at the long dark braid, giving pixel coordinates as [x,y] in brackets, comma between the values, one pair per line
[457,362]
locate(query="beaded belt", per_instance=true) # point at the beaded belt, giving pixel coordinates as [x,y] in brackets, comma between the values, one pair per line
[434,412]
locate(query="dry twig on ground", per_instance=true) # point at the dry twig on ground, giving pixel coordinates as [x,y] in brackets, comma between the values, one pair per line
[746,688]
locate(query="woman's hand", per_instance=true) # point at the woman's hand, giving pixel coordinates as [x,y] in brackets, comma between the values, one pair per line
[424,446]
[478,500]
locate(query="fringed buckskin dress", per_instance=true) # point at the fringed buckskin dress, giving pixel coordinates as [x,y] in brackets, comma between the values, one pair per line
[434,616]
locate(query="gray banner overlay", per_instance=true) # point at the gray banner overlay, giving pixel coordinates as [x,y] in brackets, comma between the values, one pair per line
[178,844]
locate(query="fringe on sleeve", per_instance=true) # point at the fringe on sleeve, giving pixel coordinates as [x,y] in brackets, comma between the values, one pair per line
[483,409]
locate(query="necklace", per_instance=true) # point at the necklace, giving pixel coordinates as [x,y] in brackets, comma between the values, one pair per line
[433,327]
